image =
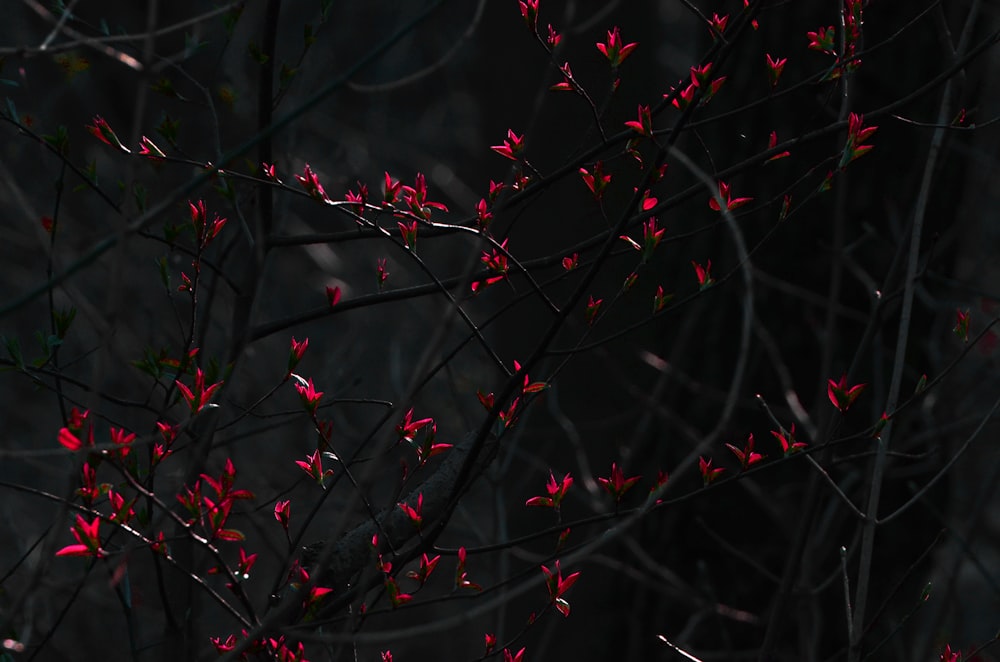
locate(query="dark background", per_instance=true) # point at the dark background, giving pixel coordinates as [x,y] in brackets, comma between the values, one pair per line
[703,570]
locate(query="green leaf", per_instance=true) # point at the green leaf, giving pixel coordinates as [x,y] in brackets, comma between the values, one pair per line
[286,75]
[139,193]
[258,55]
[164,271]
[59,141]
[14,350]
[169,128]
[62,320]
[229,20]
[165,86]
[90,171]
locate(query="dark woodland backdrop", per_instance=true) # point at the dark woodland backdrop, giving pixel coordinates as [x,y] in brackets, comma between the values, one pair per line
[707,568]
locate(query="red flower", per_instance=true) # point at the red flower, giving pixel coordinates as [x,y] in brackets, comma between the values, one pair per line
[529,11]
[947,655]
[718,23]
[428,448]
[772,142]
[358,200]
[556,490]
[123,440]
[644,124]
[103,132]
[313,465]
[774,68]
[409,232]
[245,563]
[495,189]
[491,642]
[461,576]
[684,98]
[333,295]
[269,172]
[483,214]
[529,386]
[786,205]
[593,307]
[704,274]
[222,647]
[726,196]
[631,242]
[415,514]
[167,431]
[497,263]
[416,198]
[223,486]
[191,500]
[822,40]
[596,181]
[427,566]
[69,438]
[89,491]
[204,231]
[407,428]
[617,485]
[87,537]
[699,75]
[961,328]
[511,147]
[826,184]
[747,457]
[788,443]
[880,425]
[699,79]
[380,273]
[521,181]
[647,202]
[283,512]
[309,395]
[515,657]
[571,262]
[198,398]
[857,134]
[506,416]
[553,38]
[121,510]
[651,236]
[661,479]
[614,50]
[708,474]
[841,395]
[558,586]
[295,353]
[660,299]
[149,149]
[390,192]
[310,182]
